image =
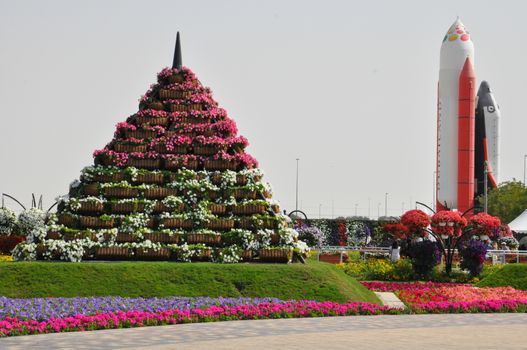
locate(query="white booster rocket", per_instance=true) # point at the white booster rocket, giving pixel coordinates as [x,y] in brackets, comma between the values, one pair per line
[455,121]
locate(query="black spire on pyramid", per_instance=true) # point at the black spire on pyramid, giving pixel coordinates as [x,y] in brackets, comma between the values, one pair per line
[178,62]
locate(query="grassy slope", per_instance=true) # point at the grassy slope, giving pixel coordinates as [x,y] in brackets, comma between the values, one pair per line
[514,275]
[315,280]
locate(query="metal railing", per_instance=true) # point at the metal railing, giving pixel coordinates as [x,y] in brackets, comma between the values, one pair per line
[494,256]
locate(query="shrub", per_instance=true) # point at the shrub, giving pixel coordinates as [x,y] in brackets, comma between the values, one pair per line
[8,243]
[425,255]
[30,221]
[7,221]
[473,256]
[379,269]
[312,235]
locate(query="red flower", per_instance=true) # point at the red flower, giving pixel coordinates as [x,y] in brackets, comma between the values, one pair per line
[397,231]
[485,225]
[416,221]
[449,223]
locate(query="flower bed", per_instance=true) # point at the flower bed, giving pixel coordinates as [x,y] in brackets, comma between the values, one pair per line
[433,297]
[10,326]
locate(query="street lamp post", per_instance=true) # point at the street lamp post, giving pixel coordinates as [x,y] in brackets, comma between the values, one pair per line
[296,202]
[524,160]
[434,184]
[386,204]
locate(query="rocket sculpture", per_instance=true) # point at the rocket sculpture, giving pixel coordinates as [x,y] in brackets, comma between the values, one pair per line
[455,121]
[487,139]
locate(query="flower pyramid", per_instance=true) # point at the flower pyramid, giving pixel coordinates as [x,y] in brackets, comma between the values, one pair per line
[175,183]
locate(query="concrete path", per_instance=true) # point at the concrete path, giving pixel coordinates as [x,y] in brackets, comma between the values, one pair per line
[456,331]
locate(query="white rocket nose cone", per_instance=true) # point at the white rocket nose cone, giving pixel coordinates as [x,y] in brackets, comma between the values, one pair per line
[457,32]
[457,46]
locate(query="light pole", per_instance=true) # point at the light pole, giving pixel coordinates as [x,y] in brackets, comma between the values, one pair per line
[386,204]
[296,203]
[434,184]
[524,160]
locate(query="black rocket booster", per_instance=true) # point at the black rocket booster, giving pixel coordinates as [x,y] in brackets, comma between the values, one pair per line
[486,139]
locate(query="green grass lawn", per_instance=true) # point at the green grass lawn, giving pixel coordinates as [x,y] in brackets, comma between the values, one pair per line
[315,280]
[514,275]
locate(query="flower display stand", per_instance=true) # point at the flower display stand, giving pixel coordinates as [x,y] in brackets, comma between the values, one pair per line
[175,181]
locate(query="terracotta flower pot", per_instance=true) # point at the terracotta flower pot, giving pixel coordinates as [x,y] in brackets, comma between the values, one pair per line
[242,193]
[165,94]
[247,255]
[177,223]
[152,178]
[149,120]
[115,177]
[159,192]
[140,134]
[156,105]
[174,164]
[220,164]
[217,209]
[91,189]
[123,237]
[95,222]
[67,220]
[207,150]
[53,235]
[90,207]
[204,255]
[112,253]
[152,254]
[121,192]
[249,209]
[162,237]
[245,223]
[200,238]
[276,255]
[185,108]
[126,208]
[129,148]
[177,149]
[220,224]
[191,120]
[144,163]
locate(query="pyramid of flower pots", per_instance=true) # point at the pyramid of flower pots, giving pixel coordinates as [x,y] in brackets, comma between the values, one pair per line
[175,183]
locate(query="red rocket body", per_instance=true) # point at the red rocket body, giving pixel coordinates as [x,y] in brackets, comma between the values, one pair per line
[466,136]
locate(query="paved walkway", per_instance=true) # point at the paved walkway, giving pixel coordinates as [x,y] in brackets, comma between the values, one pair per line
[456,331]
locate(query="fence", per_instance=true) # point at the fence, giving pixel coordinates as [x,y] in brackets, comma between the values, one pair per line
[493,256]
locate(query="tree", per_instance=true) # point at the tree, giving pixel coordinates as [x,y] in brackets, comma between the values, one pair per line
[507,201]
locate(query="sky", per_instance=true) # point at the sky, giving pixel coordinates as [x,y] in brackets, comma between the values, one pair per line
[347,87]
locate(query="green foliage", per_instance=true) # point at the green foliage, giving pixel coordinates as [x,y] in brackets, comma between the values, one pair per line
[379,269]
[507,201]
[315,280]
[514,275]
